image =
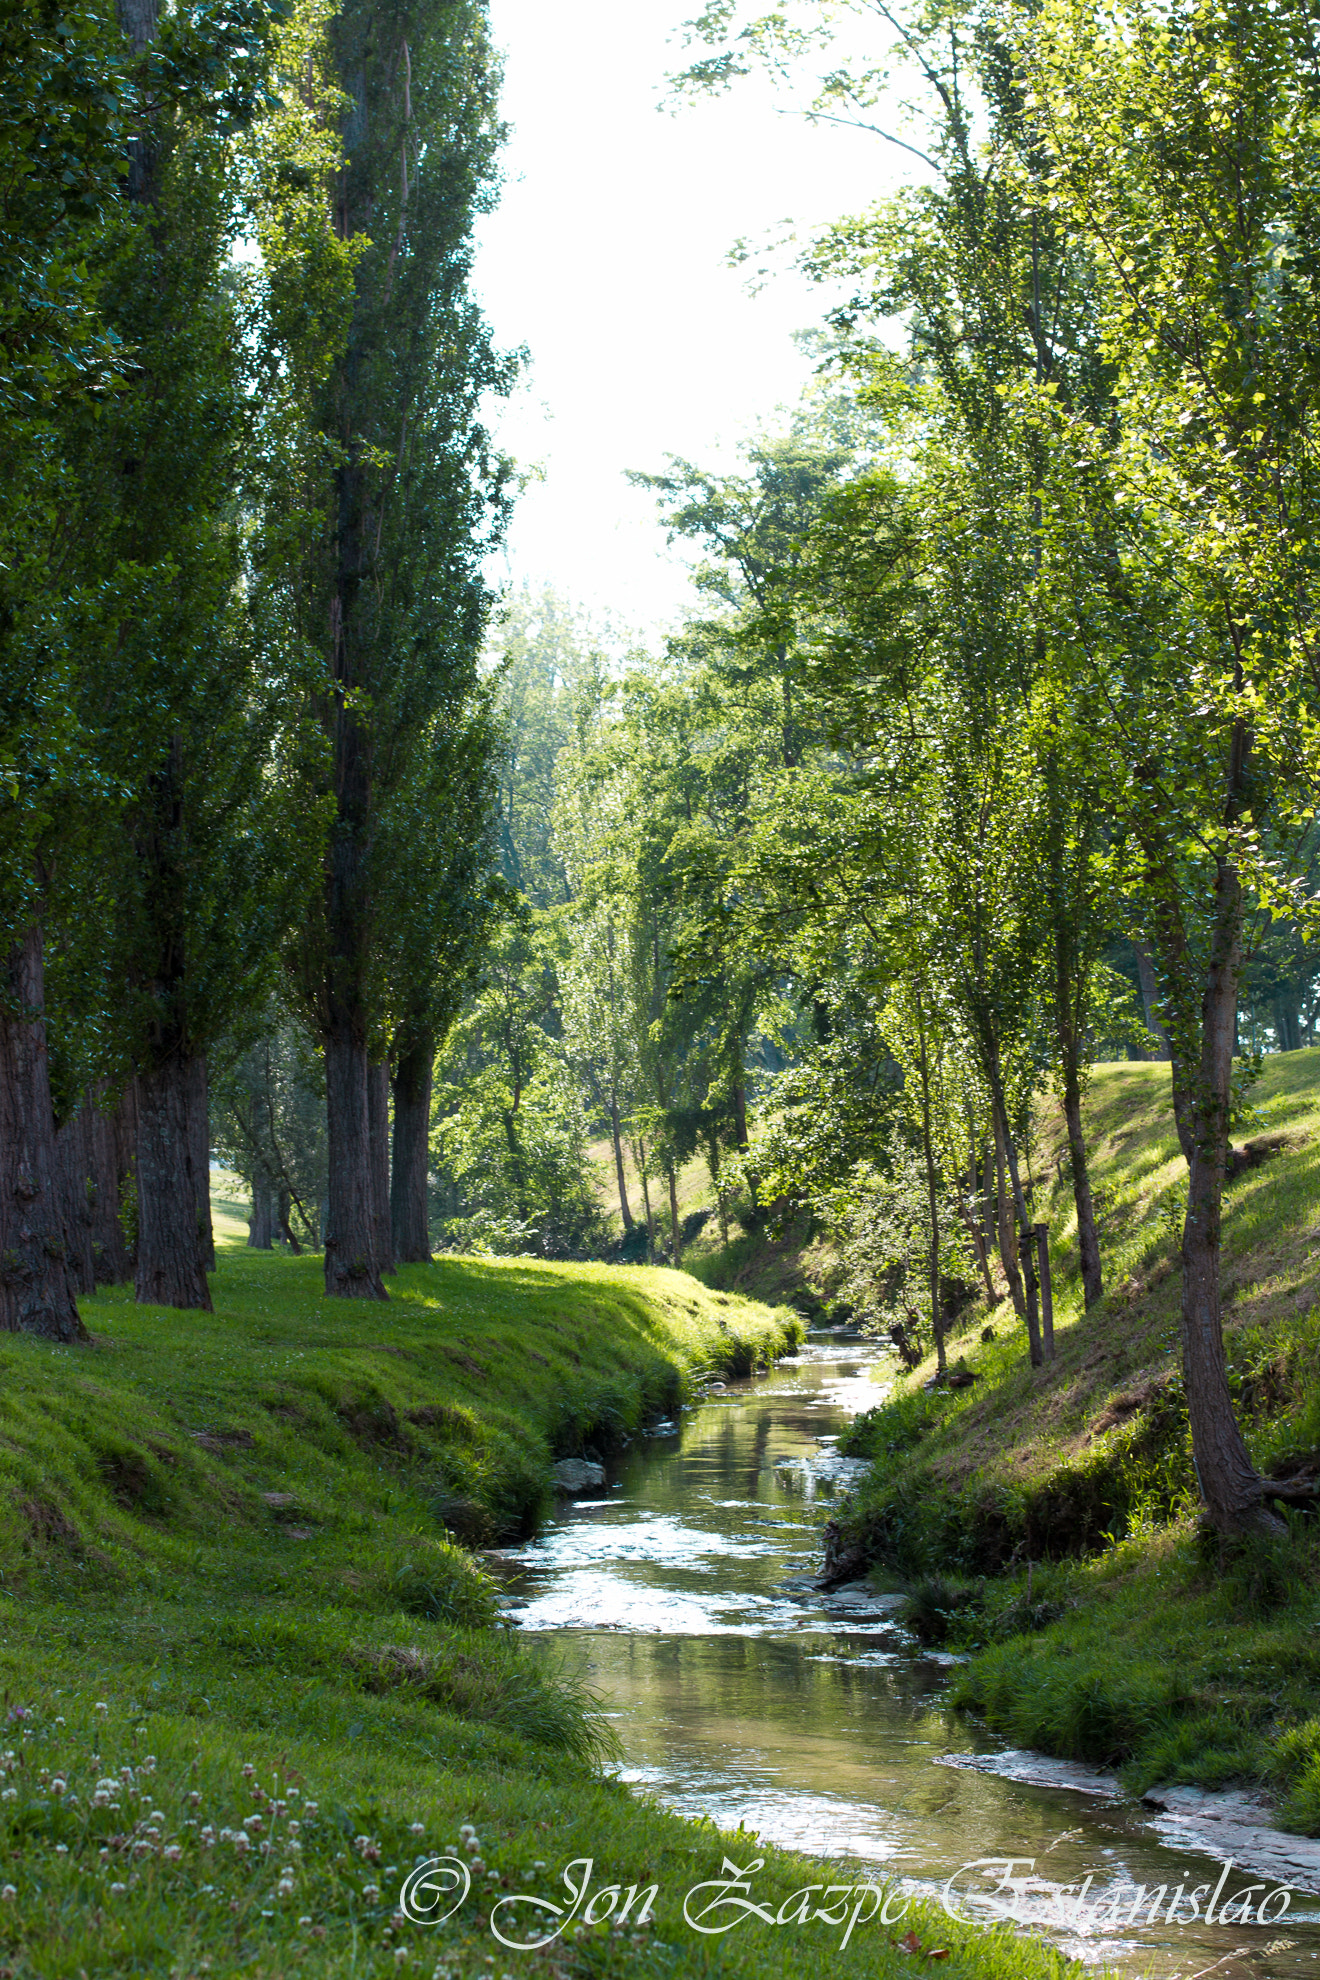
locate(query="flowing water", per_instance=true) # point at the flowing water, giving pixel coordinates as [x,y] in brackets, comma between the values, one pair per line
[738,1691]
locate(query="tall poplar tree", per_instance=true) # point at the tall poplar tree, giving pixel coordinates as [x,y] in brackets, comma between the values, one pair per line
[392,594]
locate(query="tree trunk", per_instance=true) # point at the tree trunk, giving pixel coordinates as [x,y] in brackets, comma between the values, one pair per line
[77,1185]
[1004,1228]
[199,1127]
[261,1224]
[378,1128]
[285,1205]
[36,1296]
[352,1264]
[1150,997]
[169,1269]
[673,1213]
[1088,1243]
[932,1200]
[646,1203]
[1229,1482]
[412,1153]
[617,1137]
[1023,1229]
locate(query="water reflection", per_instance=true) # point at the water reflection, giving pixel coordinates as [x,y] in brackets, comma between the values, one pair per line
[740,1692]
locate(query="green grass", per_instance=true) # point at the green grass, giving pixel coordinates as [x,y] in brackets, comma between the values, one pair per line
[232,1590]
[1129,1645]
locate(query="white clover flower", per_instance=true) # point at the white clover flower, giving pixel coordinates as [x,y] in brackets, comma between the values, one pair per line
[101,1705]
[248,1772]
[309,1807]
[292,1843]
[371,1891]
[466,1831]
[8,1894]
[284,1888]
[254,1824]
[294,1827]
[478,1865]
[417,1828]
[400,1955]
[61,1849]
[115,1889]
[9,1794]
[193,1798]
[241,1842]
[156,1815]
[304,1921]
[538,1865]
[173,1854]
[59,1785]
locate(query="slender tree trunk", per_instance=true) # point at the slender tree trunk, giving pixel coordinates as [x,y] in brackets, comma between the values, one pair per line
[1004,1227]
[412,1152]
[199,1126]
[673,1213]
[169,1269]
[617,1138]
[1009,1153]
[1150,998]
[932,1199]
[646,1204]
[285,1203]
[36,1295]
[1229,1482]
[261,1224]
[378,1128]
[352,1266]
[1088,1242]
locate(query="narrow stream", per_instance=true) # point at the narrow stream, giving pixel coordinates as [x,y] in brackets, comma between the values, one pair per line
[742,1693]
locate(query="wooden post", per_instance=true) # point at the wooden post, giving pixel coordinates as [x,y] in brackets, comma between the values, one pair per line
[1042,1234]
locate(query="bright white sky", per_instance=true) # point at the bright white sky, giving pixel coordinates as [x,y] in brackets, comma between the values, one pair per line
[606,258]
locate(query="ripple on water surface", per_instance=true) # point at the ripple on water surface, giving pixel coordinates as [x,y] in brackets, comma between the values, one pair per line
[740,1692]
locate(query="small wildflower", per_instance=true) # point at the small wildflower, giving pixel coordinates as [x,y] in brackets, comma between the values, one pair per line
[193,1799]
[115,1889]
[304,1921]
[466,1831]
[248,1772]
[59,1785]
[371,1891]
[101,1705]
[309,1808]
[173,1854]
[9,1893]
[284,1888]
[294,1828]
[400,1955]
[61,1849]
[10,1794]
[59,1721]
[254,1824]
[416,1828]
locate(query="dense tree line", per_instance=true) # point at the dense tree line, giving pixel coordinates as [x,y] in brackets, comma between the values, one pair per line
[246,752]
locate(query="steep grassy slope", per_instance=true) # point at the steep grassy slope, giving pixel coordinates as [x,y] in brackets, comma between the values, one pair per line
[248,1679]
[1055,1509]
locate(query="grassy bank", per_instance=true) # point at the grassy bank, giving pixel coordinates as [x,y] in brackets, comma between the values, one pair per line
[249,1677]
[1046,1519]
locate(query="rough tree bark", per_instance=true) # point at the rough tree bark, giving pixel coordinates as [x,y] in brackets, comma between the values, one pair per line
[412,1152]
[36,1294]
[169,1269]
[1007,1154]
